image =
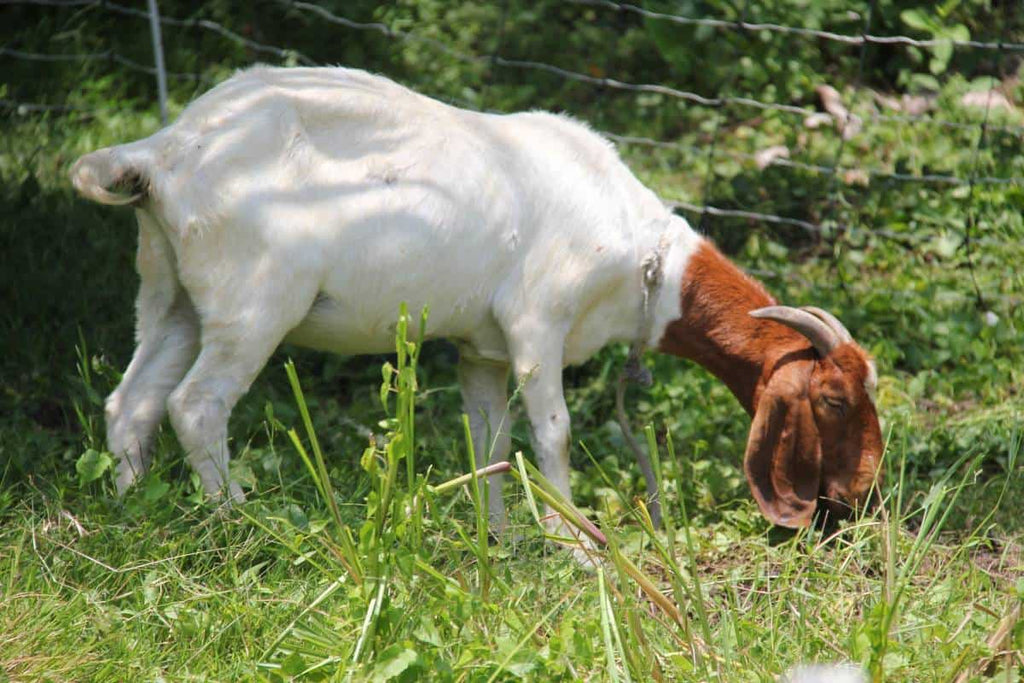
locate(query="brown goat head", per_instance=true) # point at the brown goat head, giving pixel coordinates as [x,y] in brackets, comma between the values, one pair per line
[815,434]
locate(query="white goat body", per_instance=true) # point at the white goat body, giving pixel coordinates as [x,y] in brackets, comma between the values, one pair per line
[306,204]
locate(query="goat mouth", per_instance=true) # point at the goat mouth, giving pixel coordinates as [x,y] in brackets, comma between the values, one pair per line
[832,508]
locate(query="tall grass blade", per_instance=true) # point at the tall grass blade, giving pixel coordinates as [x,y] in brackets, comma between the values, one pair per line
[607,621]
[479,509]
[323,479]
[531,502]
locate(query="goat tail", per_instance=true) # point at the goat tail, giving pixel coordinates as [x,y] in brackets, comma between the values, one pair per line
[110,176]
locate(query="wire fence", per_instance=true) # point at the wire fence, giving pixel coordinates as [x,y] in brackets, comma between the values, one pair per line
[836,120]
[862,39]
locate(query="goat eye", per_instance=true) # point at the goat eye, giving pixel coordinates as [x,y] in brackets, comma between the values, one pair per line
[835,402]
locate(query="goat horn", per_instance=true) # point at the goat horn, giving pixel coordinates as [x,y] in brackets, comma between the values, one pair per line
[837,326]
[820,334]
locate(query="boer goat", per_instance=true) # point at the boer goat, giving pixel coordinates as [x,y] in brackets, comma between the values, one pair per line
[305,205]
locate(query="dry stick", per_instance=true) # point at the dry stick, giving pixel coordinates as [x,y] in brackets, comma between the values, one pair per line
[832,192]
[158,58]
[968,243]
[1003,629]
[709,171]
[641,455]
[635,372]
[495,468]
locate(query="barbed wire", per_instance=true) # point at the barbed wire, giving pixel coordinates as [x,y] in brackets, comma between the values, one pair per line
[50,3]
[616,84]
[106,55]
[853,40]
[568,74]
[206,24]
[23,108]
[496,59]
[213,26]
[618,138]
[924,178]
[812,228]
[501,61]
[848,39]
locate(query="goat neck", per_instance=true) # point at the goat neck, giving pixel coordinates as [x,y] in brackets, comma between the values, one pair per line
[715,329]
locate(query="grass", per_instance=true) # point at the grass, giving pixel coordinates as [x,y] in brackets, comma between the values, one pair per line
[361,555]
[305,581]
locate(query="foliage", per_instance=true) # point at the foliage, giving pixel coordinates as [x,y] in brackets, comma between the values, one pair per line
[311,581]
[347,559]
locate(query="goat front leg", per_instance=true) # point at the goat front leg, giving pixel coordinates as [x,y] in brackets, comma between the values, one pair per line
[485,396]
[537,361]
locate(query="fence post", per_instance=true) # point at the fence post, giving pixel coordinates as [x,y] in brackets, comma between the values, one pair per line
[158,59]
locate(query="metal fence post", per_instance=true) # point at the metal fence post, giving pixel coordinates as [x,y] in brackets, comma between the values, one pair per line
[158,59]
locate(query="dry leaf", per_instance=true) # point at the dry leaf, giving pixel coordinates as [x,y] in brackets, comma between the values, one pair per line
[766,157]
[992,99]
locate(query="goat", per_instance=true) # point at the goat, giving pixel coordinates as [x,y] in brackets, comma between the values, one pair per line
[304,205]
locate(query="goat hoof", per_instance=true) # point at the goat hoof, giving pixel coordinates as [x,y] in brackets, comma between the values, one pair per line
[227,496]
[586,558]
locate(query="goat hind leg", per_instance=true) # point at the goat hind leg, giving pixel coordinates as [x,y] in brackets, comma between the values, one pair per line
[135,409]
[232,355]
[168,340]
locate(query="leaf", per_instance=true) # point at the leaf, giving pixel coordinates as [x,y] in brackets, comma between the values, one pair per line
[983,84]
[946,245]
[427,632]
[296,516]
[921,82]
[520,669]
[151,588]
[958,32]
[155,489]
[943,53]
[919,20]
[91,465]
[387,371]
[293,665]
[393,662]
[241,473]
[368,460]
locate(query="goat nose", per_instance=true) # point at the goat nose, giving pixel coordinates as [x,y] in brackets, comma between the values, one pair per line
[838,501]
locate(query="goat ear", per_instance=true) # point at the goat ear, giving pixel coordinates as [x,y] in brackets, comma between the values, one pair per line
[783,460]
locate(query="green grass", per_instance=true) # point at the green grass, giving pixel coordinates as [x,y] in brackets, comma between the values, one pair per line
[393,577]
[353,559]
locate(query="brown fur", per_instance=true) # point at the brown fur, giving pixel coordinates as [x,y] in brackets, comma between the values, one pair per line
[801,447]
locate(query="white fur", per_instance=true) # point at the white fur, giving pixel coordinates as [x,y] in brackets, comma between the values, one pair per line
[306,204]
[824,673]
